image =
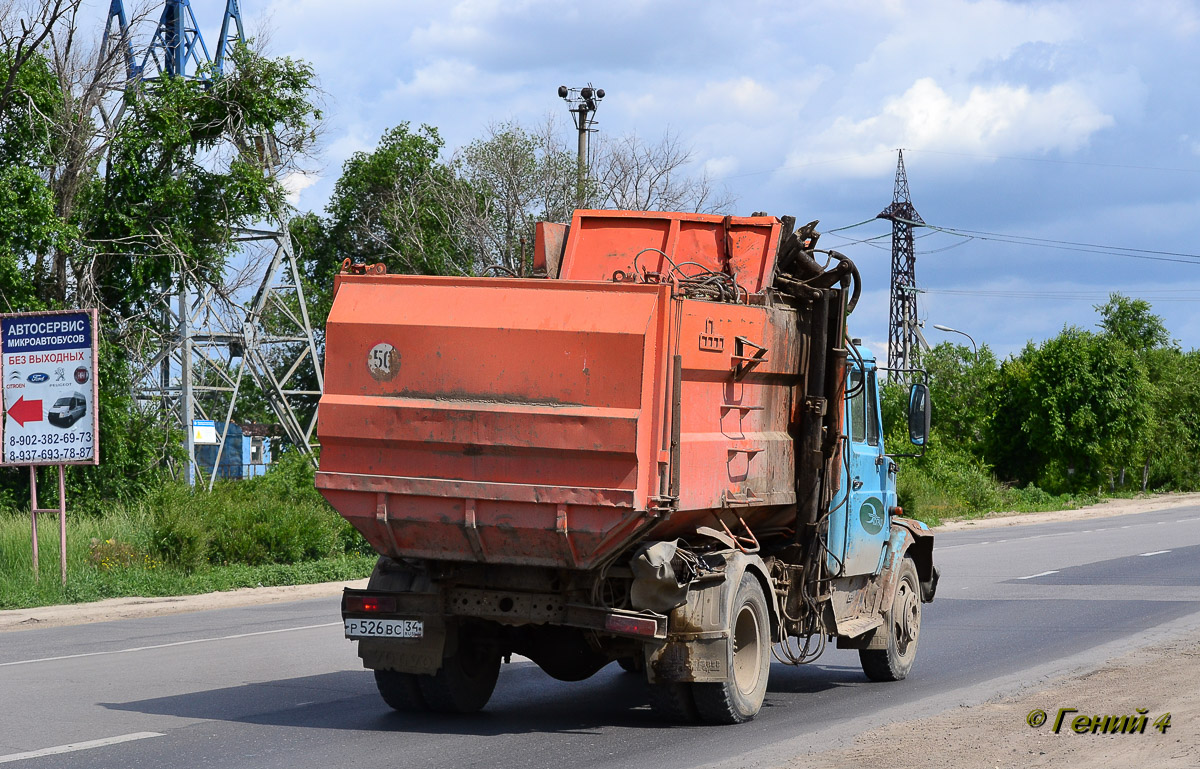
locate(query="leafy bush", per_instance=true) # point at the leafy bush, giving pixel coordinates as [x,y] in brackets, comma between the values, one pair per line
[177,535]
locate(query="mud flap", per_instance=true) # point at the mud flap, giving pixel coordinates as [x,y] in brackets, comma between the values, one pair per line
[410,655]
[908,538]
[697,645]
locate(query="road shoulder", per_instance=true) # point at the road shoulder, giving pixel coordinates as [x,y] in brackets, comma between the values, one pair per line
[1154,680]
[1108,508]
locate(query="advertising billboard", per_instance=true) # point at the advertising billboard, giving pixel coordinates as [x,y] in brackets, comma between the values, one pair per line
[48,366]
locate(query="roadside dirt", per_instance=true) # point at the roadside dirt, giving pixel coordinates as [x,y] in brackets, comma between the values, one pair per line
[1106,509]
[1158,679]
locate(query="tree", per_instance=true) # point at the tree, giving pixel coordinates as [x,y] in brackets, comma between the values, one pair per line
[24,28]
[1173,445]
[514,179]
[1070,412]
[29,224]
[99,212]
[172,195]
[959,381]
[630,174]
[1132,322]
[388,206]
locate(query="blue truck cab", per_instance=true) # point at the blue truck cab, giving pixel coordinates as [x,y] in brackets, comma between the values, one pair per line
[875,557]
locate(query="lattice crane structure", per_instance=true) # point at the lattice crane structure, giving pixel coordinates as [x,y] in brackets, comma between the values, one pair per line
[208,339]
[904,335]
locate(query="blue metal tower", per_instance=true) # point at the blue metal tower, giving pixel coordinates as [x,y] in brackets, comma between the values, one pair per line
[177,48]
[273,355]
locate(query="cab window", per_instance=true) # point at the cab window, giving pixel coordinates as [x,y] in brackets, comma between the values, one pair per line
[872,411]
[858,414]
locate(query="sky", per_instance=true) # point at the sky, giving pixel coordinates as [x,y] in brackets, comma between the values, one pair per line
[1073,122]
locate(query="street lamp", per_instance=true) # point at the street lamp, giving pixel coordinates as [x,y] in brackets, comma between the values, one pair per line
[975,349]
[585,101]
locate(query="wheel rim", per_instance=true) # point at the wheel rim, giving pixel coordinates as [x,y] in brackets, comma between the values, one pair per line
[906,619]
[747,650]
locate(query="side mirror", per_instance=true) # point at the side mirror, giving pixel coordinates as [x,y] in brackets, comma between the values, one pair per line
[919,414]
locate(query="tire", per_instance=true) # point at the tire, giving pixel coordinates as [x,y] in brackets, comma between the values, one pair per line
[400,691]
[902,628]
[673,702]
[467,678]
[635,665]
[739,698]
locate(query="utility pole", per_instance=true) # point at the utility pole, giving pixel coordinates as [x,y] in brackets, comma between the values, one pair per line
[585,101]
[904,335]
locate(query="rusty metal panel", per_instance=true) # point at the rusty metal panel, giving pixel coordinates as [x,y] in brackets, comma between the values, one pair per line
[494,420]
[604,242]
[533,422]
[736,450]
[549,241]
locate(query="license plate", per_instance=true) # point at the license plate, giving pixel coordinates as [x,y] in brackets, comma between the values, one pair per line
[384,628]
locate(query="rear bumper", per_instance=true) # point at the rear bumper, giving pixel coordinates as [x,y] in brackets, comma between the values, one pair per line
[505,607]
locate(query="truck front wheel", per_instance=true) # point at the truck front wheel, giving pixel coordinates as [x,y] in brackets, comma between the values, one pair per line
[740,696]
[901,628]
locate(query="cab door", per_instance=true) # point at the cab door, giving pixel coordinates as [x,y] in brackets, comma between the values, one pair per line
[858,526]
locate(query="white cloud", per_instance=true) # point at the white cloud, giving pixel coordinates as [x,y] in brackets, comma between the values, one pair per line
[989,120]
[295,183]
[451,79]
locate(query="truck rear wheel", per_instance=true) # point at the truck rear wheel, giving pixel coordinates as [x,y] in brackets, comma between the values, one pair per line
[467,678]
[400,690]
[740,696]
[673,702]
[902,628]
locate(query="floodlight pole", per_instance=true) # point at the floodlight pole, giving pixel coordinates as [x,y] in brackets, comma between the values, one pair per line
[586,100]
[581,184]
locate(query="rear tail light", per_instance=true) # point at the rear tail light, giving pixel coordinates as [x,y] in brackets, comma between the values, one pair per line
[632,625]
[371,604]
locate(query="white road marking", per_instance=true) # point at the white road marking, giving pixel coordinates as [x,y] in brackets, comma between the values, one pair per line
[74,746]
[1154,552]
[1040,574]
[1187,520]
[165,646]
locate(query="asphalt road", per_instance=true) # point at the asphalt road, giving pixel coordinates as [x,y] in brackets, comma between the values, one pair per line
[278,686]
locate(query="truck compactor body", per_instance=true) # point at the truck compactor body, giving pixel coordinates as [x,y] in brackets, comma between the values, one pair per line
[666,452]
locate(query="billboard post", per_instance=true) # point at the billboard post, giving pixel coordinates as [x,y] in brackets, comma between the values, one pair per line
[50,402]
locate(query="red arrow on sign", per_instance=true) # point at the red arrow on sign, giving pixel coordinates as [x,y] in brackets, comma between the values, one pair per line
[26,411]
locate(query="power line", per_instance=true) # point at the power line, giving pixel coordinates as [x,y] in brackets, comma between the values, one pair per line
[1068,245]
[1059,162]
[1178,257]
[1089,296]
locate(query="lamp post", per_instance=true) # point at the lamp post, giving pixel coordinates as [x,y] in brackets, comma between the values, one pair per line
[585,101]
[947,329]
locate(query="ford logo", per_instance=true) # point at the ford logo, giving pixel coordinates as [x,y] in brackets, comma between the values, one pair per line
[36,378]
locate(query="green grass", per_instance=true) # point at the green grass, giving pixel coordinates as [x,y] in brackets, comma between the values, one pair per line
[949,485]
[274,530]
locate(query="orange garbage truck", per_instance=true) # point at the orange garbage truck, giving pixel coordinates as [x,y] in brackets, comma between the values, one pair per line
[663,450]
